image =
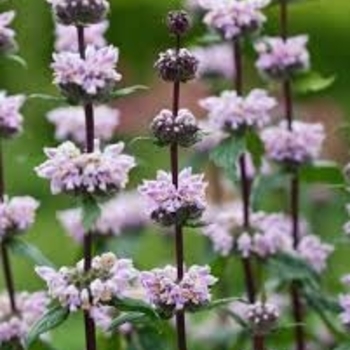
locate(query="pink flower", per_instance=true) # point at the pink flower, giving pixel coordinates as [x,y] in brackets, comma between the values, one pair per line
[126,211]
[10,118]
[316,253]
[279,58]
[169,205]
[70,123]
[234,18]
[91,78]
[168,294]
[30,308]
[215,60]
[70,170]
[231,112]
[77,290]
[17,214]
[67,38]
[7,35]
[300,145]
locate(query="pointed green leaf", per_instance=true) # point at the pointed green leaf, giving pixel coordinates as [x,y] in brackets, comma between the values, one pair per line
[227,153]
[29,251]
[131,317]
[51,319]
[255,147]
[322,172]
[18,59]
[46,97]
[128,91]
[135,305]
[312,82]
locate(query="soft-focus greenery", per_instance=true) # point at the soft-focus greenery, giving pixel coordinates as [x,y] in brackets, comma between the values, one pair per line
[137,28]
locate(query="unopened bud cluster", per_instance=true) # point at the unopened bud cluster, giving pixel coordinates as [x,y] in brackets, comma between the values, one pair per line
[177,66]
[262,317]
[178,22]
[181,129]
[79,12]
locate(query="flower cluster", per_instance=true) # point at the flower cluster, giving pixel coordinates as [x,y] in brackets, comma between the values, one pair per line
[177,66]
[234,18]
[7,35]
[79,12]
[76,289]
[67,39]
[89,79]
[30,308]
[10,118]
[170,295]
[281,59]
[181,129]
[272,234]
[262,317]
[215,61]
[70,123]
[99,172]
[17,214]
[123,213]
[178,22]
[169,204]
[231,112]
[300,145]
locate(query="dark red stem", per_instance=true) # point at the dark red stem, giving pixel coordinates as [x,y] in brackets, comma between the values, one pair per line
[179,243]
[258,341]
[298,314]
[6,264]
[90,331]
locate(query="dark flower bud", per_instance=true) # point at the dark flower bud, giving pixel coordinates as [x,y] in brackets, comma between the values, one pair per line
[177,66]
[80,12]
[181,130]
[178,22]
[262,317]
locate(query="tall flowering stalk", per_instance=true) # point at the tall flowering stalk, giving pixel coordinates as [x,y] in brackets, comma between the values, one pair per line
[239,114]
[87,77]
[177,198]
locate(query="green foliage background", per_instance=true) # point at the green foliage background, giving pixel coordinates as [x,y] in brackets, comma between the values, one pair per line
[137,28]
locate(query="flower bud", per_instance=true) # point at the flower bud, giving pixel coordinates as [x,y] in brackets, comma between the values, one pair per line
[177,66]
[262,317]
[178,22]
[80,12]
[181,130]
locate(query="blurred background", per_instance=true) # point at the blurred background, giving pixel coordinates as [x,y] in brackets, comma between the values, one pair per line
[137,28]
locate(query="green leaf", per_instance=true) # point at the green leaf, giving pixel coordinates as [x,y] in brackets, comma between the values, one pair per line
[135,305]
[209,39]
[51,319]
[91,212]
[131,317]
[312,82]
[322,172]
[128,91]
[46,97]
[288,268]
[227,153]
[218,303]
[18,59]
[29,251]
[255,147]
